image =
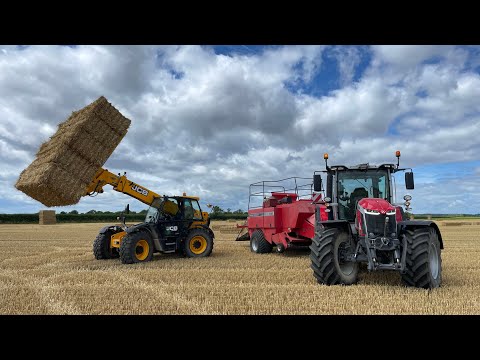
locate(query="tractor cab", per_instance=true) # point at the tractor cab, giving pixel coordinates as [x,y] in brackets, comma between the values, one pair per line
[346,186]
[360,223]
[356,183]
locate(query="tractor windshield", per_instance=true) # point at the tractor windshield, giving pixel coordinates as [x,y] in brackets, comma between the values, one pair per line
[354,185]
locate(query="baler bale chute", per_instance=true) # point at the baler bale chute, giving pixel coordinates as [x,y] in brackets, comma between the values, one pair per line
[66,164]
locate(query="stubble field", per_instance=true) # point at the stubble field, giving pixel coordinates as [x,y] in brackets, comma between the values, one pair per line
[50,269]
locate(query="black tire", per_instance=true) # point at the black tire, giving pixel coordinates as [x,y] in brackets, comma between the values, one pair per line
[136,248]
[199,243]
[258,243]
[326,265]
[424,261]
[101,247]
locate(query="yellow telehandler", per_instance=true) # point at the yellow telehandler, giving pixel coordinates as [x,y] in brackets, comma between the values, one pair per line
[172,224]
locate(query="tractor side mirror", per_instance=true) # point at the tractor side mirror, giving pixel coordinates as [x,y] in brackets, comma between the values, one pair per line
[329,185]
[317,182]
[127,209]
[409,184]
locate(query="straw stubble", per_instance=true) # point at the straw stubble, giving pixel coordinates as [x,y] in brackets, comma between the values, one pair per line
[59,275]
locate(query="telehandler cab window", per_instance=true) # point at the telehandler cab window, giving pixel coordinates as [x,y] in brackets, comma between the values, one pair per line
[197,212]
[152,215]
[192,210]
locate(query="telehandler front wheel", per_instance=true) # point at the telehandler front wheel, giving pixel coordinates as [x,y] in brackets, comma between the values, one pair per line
[101,247]
[199,243]
[136,248]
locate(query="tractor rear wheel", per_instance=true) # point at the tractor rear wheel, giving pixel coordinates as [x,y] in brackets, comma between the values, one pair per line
[136,247]
[199,243]
[327,251]
[101,247]
[259,244]
[423,262]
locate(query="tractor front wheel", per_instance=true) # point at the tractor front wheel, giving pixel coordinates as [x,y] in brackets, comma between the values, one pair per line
[101,246]
[136,248]
[423,262]
[258,243]
[327,253]
[199,243]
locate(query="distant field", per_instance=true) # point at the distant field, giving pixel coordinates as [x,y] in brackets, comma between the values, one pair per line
[50,269]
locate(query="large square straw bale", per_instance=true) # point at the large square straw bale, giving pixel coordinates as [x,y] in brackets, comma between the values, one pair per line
[66,164]
[47,217]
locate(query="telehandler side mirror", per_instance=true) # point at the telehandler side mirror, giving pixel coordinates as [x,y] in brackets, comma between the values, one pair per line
[317,182]
[409,184]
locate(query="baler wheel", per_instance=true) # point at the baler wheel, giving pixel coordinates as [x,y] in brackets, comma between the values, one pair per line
[259,244]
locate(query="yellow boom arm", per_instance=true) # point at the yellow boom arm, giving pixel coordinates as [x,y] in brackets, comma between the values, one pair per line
[121,184]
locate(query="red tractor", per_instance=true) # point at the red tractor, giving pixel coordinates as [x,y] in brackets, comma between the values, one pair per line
[356,222]
[360,224]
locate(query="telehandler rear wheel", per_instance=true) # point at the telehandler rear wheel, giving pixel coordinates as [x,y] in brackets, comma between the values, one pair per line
[326,253]
[136,247]
[101,247]
[198,243]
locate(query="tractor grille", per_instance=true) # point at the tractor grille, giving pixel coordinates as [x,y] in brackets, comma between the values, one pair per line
[376,224]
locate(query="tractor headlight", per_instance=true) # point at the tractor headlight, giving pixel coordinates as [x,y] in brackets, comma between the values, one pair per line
[372,212]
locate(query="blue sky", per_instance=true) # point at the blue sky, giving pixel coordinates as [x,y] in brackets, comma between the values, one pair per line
[210,120]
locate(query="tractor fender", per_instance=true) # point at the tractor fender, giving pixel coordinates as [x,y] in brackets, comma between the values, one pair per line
[207,228]
[150,230]
[113,228]
[421,223]
[137,227]
[339,224]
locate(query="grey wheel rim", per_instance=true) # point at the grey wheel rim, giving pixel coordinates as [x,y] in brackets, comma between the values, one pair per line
[433,260]
[254,244]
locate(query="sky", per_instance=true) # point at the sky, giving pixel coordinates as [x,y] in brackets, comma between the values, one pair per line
[211,120]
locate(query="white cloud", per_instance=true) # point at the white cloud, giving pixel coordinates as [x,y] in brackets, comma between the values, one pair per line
[348,58]
[212,124]
[409,55]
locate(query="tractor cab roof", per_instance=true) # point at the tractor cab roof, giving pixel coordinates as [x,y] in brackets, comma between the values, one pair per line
[181,197]
[363,167]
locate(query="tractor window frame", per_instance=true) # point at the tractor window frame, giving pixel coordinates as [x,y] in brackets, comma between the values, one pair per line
[189,203]
[346,210]
[197,210]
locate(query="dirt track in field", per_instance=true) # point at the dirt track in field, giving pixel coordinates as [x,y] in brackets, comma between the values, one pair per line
[50,269]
